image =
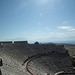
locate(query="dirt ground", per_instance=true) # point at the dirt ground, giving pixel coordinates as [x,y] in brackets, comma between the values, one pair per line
[71,50]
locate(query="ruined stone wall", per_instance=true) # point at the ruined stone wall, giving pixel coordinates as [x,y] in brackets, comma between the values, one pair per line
[6,42]
[20,42]
[14,42]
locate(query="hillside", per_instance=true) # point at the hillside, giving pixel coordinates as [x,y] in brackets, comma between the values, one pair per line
[43,59]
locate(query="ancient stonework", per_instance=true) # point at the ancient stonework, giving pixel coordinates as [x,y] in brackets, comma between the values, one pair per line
[39,59]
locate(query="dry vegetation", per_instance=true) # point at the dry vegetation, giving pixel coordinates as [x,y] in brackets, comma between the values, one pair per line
[71,50]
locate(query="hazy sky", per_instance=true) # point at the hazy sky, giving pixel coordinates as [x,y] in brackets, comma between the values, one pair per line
[37,20]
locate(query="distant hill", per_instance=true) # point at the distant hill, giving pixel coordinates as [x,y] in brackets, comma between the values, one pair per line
[66,44]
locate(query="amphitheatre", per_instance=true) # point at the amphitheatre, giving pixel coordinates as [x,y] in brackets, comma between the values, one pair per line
[22,58]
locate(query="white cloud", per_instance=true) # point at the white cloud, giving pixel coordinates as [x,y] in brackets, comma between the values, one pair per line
[69,28]
[68,22]
[64,27]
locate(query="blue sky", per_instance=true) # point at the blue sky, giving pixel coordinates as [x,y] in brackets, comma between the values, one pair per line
[37,20]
